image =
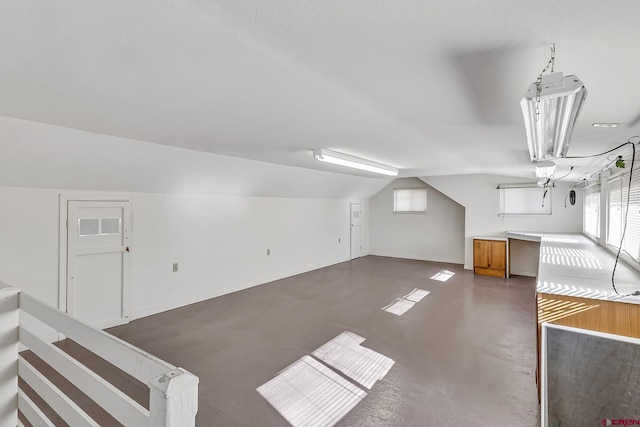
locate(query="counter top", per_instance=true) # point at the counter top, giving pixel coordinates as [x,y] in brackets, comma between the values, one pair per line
[500,238]
[574,265]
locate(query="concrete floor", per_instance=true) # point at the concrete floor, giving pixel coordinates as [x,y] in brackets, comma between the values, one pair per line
[464,356]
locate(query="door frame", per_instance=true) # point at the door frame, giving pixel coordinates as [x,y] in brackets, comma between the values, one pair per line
[351,230]
[127,291]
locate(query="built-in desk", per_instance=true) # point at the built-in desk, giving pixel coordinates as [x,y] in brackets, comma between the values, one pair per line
[574,286]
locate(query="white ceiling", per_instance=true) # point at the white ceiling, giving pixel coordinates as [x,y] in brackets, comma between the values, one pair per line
[431,87]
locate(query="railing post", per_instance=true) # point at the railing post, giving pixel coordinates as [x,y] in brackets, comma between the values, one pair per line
[173,399]
[9,304]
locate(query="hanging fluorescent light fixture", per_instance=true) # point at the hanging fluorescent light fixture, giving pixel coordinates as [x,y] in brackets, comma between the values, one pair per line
[545,169]
[341,159]
[550,108]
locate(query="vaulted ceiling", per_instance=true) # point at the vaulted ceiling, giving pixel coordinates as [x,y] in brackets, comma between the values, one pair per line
[430,87]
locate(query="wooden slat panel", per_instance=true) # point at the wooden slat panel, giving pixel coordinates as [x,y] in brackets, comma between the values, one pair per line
[137,363]
[597,315]
[119,405]
[31,412]
[59,402]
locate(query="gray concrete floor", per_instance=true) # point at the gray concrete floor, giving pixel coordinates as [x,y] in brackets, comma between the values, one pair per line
[465,355]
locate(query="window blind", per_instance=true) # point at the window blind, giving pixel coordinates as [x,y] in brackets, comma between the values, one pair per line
[525,201]
[619,194]
[614,227]
[409,200]
[591,222]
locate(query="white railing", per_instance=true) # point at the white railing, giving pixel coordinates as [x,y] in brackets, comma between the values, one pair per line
[173,392]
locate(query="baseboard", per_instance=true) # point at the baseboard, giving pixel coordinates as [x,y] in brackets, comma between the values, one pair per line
[390,255]
[150,311]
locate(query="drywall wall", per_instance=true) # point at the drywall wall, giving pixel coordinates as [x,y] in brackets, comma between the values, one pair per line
[214,215]
[524,257]
[29,241]
[478,194]
[437,235]
[220,243]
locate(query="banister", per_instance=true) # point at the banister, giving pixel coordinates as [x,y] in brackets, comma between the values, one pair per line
[9,303]
[173,392]
[134,361]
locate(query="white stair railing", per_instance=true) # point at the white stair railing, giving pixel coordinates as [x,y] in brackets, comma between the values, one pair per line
[173,392]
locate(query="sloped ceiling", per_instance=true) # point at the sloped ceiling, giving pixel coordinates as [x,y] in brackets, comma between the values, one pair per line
[432,88]
[46,156]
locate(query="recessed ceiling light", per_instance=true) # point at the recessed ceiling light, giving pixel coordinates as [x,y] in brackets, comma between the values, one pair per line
[605,125]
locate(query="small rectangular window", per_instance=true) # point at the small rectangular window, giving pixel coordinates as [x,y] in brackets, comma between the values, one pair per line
[99,226]
[410,200]
[531,200]
[88,226]
[109,226]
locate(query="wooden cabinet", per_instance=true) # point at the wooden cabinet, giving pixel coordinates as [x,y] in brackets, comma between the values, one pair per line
[490,257]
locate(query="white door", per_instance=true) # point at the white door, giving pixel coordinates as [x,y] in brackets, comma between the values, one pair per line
[98,262]
[355,230]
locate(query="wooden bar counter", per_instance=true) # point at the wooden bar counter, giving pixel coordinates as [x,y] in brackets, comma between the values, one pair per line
[574,286]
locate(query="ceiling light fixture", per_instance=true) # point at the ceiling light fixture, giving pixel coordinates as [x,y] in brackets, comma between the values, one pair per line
[550,108]
[605,125]
[545,169]
[341,159]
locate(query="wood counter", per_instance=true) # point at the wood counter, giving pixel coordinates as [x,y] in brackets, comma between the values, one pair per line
[574,287]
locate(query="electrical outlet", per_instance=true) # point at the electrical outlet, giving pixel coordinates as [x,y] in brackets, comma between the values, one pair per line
[175,267]
[268,252]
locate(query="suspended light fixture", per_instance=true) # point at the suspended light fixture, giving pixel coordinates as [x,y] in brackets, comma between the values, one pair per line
[550,108]
[341,159]
[545,169]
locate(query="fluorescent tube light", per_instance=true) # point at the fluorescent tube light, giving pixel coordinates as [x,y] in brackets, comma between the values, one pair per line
[328,156]
[605,125]
[560,101]
[545,169]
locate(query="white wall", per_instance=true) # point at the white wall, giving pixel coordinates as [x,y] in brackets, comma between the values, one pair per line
[478,194]
[214,215]
[437,235]
[29,227]
[220,243]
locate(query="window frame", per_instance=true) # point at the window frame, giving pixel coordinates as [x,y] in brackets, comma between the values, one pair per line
[545,210]
[412,189]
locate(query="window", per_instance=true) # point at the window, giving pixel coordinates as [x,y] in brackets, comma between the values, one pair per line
[591,223]
[410,200]
[619,196]
[521,200]
[98,226]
